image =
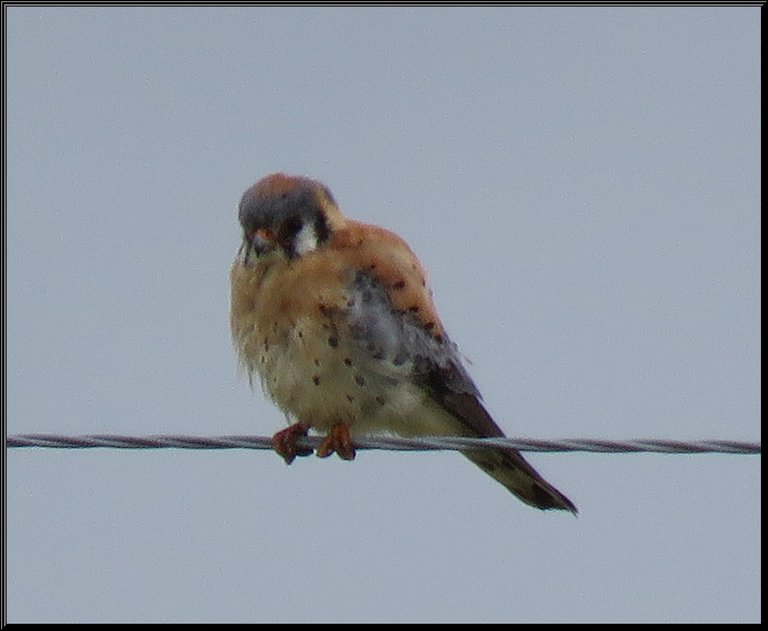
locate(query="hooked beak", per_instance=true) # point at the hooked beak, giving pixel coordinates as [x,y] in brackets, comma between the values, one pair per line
[257,242]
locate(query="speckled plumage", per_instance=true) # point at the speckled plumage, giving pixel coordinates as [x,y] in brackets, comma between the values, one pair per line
[336,319]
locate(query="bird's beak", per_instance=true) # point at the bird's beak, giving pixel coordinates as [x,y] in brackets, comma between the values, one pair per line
[263,238]
[258,242]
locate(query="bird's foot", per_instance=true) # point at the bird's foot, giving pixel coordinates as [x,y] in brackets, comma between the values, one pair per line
[338,440]
[284,442]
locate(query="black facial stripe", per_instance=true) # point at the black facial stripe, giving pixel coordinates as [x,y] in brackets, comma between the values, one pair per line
[322,230]
[286,237]
[291,227]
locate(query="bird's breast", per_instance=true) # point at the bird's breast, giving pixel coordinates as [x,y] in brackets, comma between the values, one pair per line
[294,336]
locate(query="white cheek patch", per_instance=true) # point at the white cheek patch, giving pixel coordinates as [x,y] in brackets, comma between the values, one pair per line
[306,240]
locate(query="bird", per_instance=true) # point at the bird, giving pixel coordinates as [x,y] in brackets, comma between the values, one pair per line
[336,319]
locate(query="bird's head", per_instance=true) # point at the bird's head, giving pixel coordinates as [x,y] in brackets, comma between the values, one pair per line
[286,215]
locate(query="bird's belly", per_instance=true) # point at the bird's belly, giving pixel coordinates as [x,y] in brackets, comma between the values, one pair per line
[316,377]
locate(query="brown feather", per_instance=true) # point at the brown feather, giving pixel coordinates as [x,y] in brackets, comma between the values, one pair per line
[505,465]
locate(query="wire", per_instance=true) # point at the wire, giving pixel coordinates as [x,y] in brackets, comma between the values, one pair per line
[168,441]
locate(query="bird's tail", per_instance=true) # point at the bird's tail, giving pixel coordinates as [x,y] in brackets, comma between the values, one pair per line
[510,468]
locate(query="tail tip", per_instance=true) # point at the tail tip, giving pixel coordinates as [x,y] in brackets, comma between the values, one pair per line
[552,499]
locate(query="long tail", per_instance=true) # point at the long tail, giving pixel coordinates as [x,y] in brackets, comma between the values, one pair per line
[510,468]
[505,465]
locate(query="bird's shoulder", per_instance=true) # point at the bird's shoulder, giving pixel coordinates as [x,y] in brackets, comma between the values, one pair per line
[378,257]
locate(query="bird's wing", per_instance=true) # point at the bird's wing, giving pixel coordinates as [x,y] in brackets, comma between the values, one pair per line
[392,312]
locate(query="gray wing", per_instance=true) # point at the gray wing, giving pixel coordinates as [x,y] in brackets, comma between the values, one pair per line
[432,361]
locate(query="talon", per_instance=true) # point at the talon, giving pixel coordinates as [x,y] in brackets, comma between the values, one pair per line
[338,440]
[284,442]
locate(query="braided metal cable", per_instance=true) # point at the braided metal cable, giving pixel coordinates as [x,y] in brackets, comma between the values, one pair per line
[168,441]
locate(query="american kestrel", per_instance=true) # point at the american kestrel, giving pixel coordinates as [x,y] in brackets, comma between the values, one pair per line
[336,319]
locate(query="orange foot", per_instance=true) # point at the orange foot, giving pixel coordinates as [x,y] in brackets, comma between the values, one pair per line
[284,442]
[337,440]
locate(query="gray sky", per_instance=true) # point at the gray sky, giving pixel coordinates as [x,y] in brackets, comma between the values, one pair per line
[583,185]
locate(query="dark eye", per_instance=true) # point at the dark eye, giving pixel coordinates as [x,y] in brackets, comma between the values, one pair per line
[286,235]
[289,229]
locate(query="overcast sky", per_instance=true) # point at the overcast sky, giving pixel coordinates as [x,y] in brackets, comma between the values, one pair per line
[582,184]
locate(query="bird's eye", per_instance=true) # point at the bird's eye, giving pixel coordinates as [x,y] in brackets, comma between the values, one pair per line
[291,226]
[296,237]
[288,230]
